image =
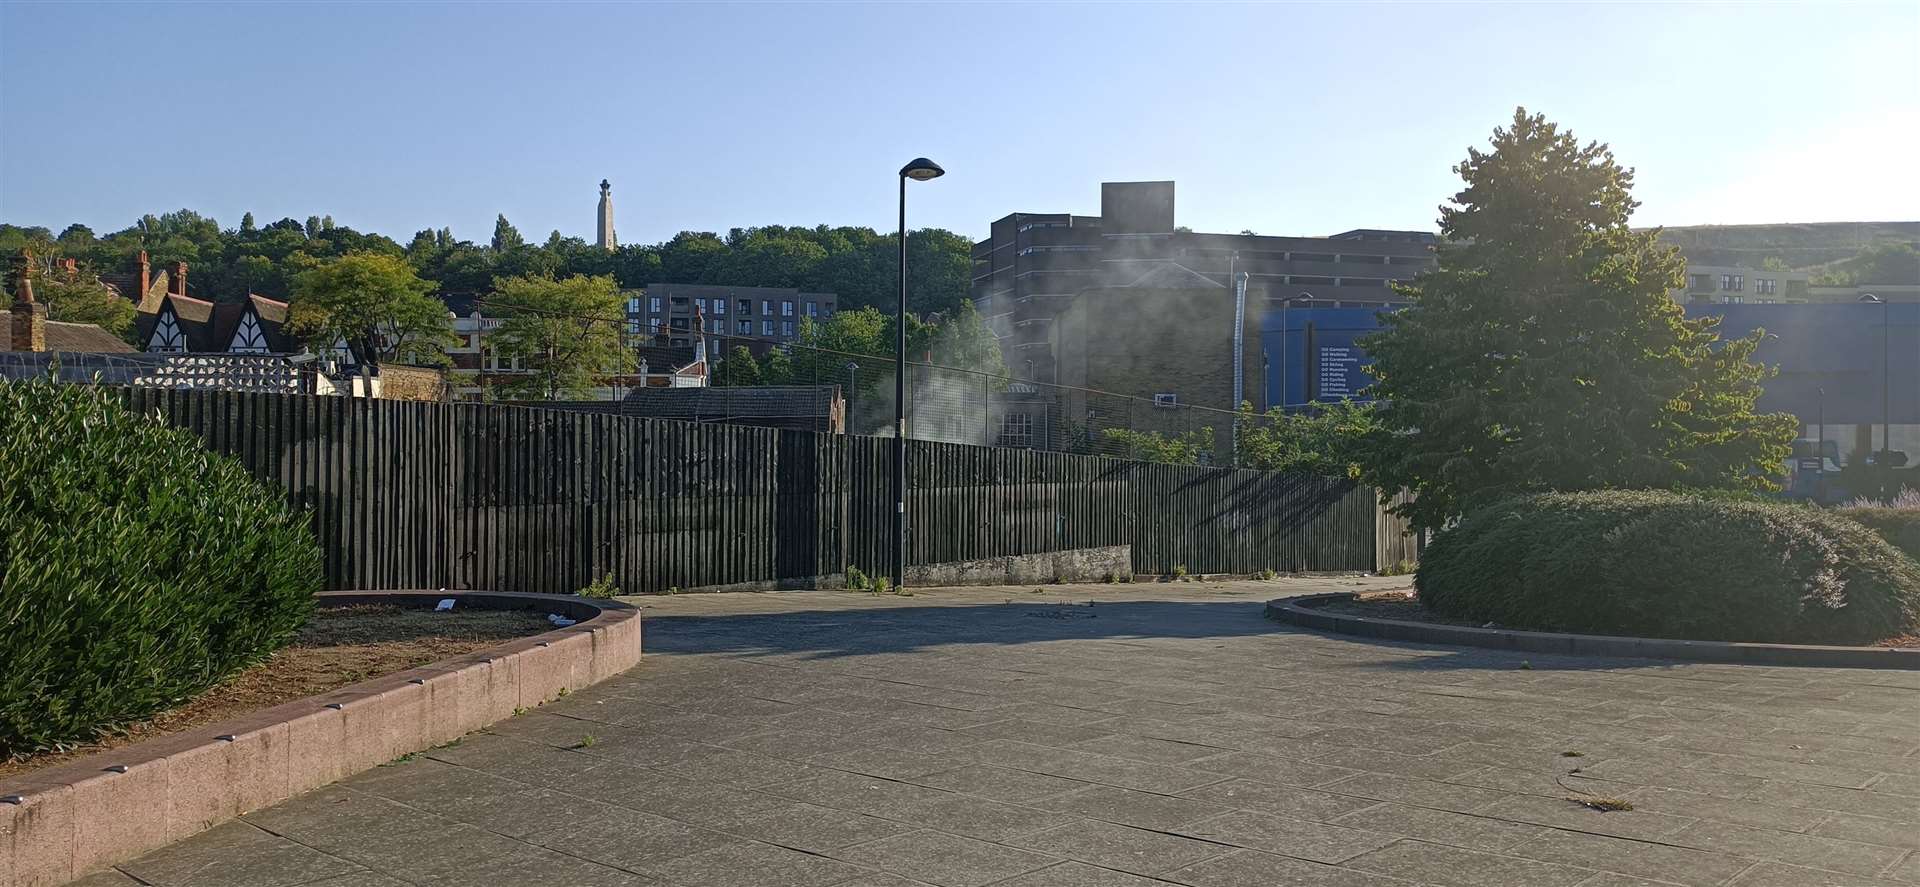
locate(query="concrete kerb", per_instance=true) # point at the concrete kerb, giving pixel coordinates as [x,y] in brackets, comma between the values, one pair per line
[65,821]
[1306,613]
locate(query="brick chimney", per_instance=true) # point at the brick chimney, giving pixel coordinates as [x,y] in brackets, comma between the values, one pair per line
[29,317]
[146,277]
[179,287]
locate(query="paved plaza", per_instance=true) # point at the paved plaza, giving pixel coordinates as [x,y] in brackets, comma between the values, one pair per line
[1114,736]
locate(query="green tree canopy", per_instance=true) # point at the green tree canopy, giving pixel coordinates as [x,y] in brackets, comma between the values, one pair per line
[1543,353]
[505,236]
[737,369]
[84,299]
[566,331]
[1329,440]
[376,305]
[1189,448]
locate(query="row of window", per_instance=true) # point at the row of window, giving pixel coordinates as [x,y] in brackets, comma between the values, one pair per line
[745,328]
[1733,283]
[719,307]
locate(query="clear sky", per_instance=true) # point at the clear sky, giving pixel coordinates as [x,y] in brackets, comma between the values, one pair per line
[1280,118]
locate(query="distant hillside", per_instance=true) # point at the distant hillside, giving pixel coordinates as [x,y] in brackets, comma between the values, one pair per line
[1799,246]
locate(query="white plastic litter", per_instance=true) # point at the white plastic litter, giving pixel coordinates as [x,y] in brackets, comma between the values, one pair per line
[446,603]
[559,620]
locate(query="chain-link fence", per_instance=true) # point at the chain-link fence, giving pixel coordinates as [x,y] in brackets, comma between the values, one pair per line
[798,385]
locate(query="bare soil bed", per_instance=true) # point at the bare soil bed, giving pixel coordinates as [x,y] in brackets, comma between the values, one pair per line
[1404,606]
[338,647]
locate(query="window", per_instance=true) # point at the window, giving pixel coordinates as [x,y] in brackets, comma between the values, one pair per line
[720,307]
[1765,285]
[633,305]
[701,305]
[1016,430]
[678,323]
[786,308]
[813,309]
[1699,281]
[746,328]
[766,326]
[653,304]
[1732,283]
[1732,300]
[766,307]
[786,327]
[746,306]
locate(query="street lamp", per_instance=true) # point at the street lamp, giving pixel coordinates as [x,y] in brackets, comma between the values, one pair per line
[851,369]
[1303,297]
[1886,379]
[920,170]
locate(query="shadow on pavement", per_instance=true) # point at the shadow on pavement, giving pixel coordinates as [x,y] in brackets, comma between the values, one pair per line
[827,634]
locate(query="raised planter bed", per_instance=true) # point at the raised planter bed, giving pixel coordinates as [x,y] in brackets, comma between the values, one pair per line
[61,822]
[1307,612]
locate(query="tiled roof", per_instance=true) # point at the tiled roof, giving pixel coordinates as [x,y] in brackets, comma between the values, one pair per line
[661,358]
[268,309]
[63,336]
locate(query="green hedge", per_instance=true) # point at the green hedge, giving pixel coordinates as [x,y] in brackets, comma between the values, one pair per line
[1666,565]
[1900,526]
[138,568]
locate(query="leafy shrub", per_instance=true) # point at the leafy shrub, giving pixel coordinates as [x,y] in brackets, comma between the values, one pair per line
[138,568]
[602,587]
[1898,524]
[1666,565]
[856,580]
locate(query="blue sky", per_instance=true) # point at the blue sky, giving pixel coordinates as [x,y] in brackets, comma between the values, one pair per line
[1280,118]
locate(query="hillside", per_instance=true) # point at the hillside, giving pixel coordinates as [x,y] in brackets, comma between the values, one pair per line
[1799,246]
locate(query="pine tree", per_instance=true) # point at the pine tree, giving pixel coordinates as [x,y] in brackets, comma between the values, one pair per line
[505,236]
[1545,352]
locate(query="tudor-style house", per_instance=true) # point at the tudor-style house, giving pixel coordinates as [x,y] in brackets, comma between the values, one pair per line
[169,321]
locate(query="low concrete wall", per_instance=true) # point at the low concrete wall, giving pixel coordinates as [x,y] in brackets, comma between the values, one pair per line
[1074,565]
[62,822]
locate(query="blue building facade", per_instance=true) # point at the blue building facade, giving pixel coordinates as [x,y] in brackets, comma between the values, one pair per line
[1848,364]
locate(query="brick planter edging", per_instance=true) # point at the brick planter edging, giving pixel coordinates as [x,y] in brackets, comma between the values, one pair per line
[65,821]
[1304,612]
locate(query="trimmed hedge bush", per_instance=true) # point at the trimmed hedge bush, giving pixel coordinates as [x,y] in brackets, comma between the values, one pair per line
[138,570]
[1664,565]
[1899,526]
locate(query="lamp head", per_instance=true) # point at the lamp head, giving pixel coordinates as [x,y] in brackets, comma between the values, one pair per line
[922,169]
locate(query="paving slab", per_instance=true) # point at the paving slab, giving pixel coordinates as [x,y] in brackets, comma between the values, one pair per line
[1167,733]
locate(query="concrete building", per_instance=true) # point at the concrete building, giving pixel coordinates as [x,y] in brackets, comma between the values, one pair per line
[1034,264]
[756,316]
[1736,285]
[604,237]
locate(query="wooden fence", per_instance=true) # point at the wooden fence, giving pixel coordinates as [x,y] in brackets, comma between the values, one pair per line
[478,496]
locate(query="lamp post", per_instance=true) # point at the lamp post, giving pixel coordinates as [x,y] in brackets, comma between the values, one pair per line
[851,369]
[1886,379]
[1303,297]
[920,170]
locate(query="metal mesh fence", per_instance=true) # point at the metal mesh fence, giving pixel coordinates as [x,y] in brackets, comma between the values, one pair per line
[796,385]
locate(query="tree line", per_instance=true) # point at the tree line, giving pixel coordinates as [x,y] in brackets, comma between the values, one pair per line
[857,264]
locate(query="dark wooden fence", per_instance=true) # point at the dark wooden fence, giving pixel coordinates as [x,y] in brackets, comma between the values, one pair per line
[430,495]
